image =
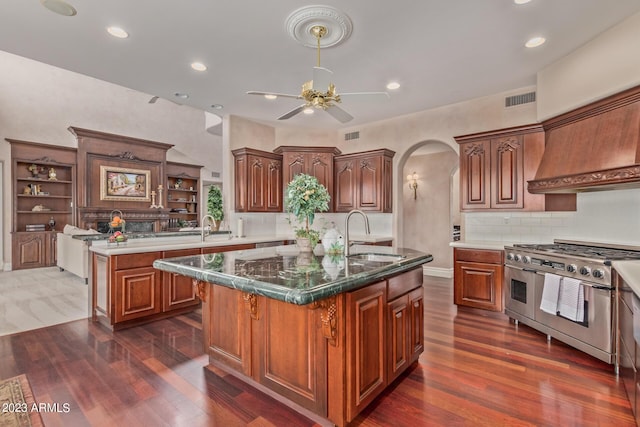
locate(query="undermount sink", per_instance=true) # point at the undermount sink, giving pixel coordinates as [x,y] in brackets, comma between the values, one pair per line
[376,257]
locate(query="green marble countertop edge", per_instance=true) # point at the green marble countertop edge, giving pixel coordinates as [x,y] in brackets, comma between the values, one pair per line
[286,294]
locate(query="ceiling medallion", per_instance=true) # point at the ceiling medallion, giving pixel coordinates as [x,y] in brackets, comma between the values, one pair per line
[300,24]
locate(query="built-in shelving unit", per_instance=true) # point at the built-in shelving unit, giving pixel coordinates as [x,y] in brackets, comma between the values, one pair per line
[43,200]
[183,195]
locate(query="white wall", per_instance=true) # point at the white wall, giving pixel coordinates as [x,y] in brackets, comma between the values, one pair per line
[604,66]
[39,102]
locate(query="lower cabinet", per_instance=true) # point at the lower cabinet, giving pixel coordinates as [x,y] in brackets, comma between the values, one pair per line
[627,354]
[127,290]
[477,278]
[33,249]
[332,357]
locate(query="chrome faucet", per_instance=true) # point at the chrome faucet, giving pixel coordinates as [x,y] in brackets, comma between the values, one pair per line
[202,227]
[347,243]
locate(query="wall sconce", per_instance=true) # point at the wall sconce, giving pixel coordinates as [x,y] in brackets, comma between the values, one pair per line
[413,184]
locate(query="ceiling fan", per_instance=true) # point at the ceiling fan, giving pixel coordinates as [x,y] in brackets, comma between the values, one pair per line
[319,92]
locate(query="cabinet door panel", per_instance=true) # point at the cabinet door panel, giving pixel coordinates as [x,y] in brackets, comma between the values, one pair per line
[345,186]
[321,166]
[241,184]
[274,186]
[257,184]
[416,324]
[29,250]
[137,293]
[507,172]
[397,336]
[366,368]
[369,184]
[475,175]
[478,285]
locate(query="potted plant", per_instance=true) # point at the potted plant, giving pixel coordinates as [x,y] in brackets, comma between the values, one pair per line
[304,197]
[214,205]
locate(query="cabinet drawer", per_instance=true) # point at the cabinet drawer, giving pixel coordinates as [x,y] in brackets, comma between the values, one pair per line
[136,260]
[181,252]
[403,283]
[478,255]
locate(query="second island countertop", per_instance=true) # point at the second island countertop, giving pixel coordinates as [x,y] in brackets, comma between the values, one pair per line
[286,274]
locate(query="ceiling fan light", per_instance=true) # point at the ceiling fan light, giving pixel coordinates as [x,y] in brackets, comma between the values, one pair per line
[198,66]
[308,110]
[271,97]
[535,41]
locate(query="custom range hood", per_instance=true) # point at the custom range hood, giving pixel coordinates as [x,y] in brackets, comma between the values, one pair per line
[595,147]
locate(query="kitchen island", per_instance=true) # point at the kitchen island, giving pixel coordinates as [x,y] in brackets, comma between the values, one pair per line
[324,334]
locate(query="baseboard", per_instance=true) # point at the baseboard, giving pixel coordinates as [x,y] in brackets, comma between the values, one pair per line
[437,271]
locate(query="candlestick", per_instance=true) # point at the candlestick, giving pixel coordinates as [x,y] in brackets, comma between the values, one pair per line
[153,200]
[159,206]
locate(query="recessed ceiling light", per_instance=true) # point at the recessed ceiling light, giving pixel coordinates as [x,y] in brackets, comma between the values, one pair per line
[217,106]
[117,32]
[393,85]
[308,110]
[521,1]
[181,95]
[60,7]
[198,66]
[535,42]
[271,96]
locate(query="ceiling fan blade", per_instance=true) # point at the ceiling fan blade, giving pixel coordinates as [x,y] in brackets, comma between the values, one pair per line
[321,78]
[292,112]
[282,95]
[367,95]
[339,114]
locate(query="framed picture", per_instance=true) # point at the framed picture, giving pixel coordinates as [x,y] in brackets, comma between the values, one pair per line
[124,184]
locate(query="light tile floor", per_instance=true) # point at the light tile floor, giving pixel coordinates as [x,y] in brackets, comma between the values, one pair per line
[39,297]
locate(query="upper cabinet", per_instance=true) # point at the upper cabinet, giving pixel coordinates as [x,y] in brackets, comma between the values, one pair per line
[258,181]
[314,161]
[495,167]
[363,181]
[183,189]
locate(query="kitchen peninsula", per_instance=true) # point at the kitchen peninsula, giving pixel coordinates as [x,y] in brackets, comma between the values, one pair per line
[325,334]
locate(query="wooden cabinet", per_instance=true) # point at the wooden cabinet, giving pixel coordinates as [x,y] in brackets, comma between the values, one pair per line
[405,317]
[366,346]
[314,161]
[477,278]
[178,290]
[364,181]
[258,181]
[43,200]
[627,354]
[183,195]
[495,167]
[137,293]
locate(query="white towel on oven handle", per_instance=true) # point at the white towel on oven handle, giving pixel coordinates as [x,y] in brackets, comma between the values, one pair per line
[571,302]
[550,293]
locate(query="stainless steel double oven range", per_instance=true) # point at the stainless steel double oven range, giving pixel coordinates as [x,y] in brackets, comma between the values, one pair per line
[525,268]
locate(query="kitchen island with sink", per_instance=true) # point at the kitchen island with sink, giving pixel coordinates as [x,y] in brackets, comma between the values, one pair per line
[324,334]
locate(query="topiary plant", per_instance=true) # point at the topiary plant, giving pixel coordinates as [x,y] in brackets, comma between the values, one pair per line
[214,203]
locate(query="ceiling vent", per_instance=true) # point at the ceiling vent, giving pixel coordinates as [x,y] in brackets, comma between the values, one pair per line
[352,135]
[525,98]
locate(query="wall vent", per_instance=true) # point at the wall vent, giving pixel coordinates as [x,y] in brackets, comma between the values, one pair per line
[215,174]
[525,98]
[351,135]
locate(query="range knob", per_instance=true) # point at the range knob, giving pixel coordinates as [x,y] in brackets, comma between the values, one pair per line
[585,271]
[527,259]
[598,274]
[519,258]
[510,256]
[572,268]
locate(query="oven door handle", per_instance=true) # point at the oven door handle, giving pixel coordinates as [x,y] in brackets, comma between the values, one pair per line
[530,270]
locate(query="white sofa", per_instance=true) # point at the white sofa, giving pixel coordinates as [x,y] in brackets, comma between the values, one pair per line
[73,254]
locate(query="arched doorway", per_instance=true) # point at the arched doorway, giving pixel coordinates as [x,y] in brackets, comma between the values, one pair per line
[426,219]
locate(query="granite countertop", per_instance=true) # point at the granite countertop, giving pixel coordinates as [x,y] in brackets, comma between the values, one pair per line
[630,272]
[283,273]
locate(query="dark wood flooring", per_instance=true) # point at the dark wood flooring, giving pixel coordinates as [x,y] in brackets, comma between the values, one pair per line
[478,369]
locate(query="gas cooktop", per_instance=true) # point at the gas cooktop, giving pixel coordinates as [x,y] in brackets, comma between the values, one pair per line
[599,251]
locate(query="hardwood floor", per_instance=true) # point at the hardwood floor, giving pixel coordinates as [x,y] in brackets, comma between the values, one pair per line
[478,369]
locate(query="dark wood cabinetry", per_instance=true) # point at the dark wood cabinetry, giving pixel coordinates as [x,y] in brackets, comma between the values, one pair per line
[183,195]
[178,290]
[258,181]
[314,161]
[627,349]
[43,200]
[495,167]
[364,181]
[477,278]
